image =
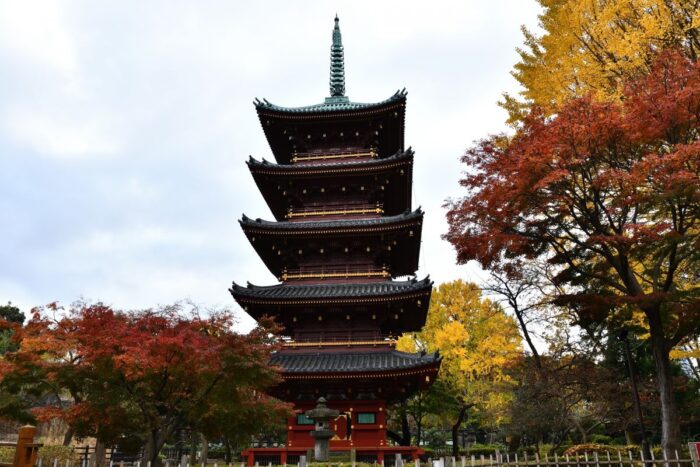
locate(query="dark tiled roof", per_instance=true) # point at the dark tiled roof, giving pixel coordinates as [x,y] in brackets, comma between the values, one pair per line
[352,362]
[340,225]
[331,291]
[331,105]
[293,168]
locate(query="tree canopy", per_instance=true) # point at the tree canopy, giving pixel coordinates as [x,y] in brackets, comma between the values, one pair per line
[594,47]
[478,343]
[144,373]
[609,193]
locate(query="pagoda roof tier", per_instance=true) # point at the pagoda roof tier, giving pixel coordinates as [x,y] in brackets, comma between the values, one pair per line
[398,306]
[277,181]
[333,227]
[287,128]
[346,292]
[389,375]
[294,363]
[278,243]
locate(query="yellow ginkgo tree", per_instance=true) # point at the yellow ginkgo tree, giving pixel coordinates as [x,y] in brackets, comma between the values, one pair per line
[478,343]
[595,46]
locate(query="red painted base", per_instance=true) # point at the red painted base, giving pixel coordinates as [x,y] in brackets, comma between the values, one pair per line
[284,456]
[361,425]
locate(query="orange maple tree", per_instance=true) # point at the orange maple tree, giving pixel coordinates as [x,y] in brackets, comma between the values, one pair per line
[144,373]
[609,194]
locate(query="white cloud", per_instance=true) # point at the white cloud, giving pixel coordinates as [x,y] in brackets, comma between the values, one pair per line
[125,126]
[58,137]
[36,32]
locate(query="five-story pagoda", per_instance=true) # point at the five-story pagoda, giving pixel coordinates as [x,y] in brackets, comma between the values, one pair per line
[343,236]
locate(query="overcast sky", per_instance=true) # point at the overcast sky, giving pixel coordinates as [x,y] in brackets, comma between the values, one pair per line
[125,126]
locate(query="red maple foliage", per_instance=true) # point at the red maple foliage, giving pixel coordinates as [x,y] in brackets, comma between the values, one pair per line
[608,193]
[145,373]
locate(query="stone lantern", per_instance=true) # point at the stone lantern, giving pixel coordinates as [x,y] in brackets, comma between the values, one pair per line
[321,415]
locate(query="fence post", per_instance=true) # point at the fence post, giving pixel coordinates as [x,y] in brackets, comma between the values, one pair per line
[26,451]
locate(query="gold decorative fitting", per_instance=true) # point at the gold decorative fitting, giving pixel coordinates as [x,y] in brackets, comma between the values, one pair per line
[337,212]
[338,343]
[331,275]
[339,155]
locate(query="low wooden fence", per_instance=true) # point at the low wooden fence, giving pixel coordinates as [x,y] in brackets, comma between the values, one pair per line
[593,459]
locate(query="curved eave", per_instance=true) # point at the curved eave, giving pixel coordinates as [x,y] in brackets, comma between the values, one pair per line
[283,126]
[431,368]
[321,170]
[287,301]
[335,294]
[269,177]
[338,227]
[331,110]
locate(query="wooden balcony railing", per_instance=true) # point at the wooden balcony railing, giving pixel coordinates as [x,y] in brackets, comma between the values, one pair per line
[339,342]
[334,272]
[312,156]
[334,210]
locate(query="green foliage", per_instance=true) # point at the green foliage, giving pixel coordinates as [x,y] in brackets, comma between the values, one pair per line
[58,452]
[477,449]
[47,453]
[7,454]
[579,449]
[11,313]
[601,439]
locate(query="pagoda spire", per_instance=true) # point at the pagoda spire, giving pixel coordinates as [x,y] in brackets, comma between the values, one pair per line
[337,81]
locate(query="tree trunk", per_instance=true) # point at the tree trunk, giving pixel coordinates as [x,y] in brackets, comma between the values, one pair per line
[405,430]
[581,430]
[98,457]
[227,450]
[154,443]
[193,447]
[670,426]
[68,436]
[419,431]
[455,430]
[205,451]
